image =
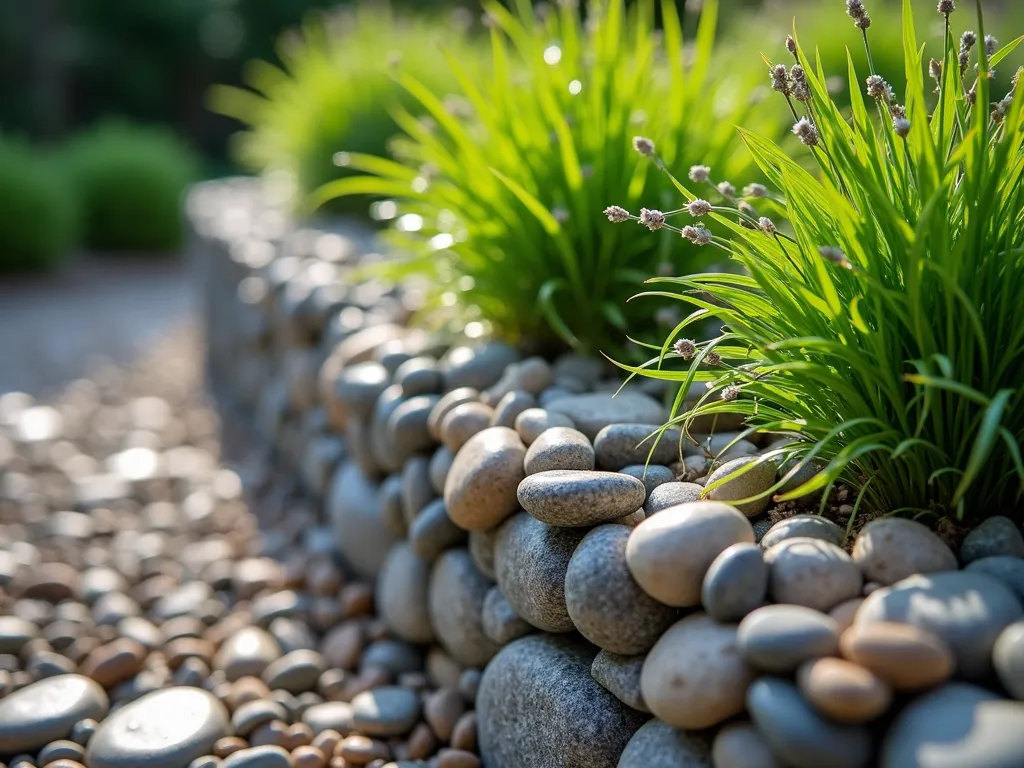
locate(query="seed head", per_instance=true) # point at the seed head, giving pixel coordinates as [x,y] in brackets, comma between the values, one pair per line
[855,10]
[972,94]
[730,392]
[964,58]
[946,7]
[746,208]
[712,358]
[767,225]
[616,214]
[1016,78]
[898,110]
[700,173]
[807,132]
[685,348]
[780,79]
[999,110]
[725,189]
[833,254]
[699,207]
[643,145]
[697,235]
[991,44]
[877,87]
[967,40]
[652,219]
[902,126]
[755,190]
[801,91]
[791,44]
[935,69]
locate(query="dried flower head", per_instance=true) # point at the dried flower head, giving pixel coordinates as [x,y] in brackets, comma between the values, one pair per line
[791,44]
[967,40]
[730,392]
[877,87]
[1016,78]
[767,225]
[643,145]
[697,235]
[652,218]
[935,69]
[898,110]
[712,358]
[755,190]
[902,126]
[725,189]
[746,208]
[971,96]
[685,348]
[616,214]
[991,45]
[699,207]
[699,173]
[801,90]
[999,110]
[855,10]
[946,7]
[780,79]
[807,132]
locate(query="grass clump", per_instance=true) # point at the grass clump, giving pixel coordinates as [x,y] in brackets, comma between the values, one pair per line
[500,192]
[130,180]
[882,321]
[334,91]
[37,218]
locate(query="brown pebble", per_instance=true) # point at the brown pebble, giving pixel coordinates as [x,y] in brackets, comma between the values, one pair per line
[246,689]
[360,750]
[338,762]
[51,582]
[343,645]
[843,691]
[229,745]
[308,757]
[464,735]
[457,758]
[327,741]
[299,735]
[907,658]
[356,599]
[442,710]
[422,742]
[323,578]
[183,648]
[845,612]
[114,662]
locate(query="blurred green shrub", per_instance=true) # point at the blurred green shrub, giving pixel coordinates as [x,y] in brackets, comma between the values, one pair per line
[335,90]
[130,180]
[37,210]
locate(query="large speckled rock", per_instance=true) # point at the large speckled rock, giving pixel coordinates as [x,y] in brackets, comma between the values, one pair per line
[755,480]
[530,561]
[966,610]
[605,603]
[538,706]
[956,725]
[659,745]
[620,445]
[811,572]
[480,490]
[559,448]
[893,548]
[572,497]
[996,536]
[694,677]
[353,506]
[456,602]
[670,552]
[592,413]
[620,675]
[804,526]
[401,595]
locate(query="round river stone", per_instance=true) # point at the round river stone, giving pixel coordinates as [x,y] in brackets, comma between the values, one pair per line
[893,548]
[778,638]
[736,583]
[32,717]
[559,448]
[480,490]
[573,497]
[804,526]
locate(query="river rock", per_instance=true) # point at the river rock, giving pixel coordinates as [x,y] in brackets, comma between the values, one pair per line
[456,601]
[353,506]
[439,467]
[481,488]
[481,547]
[651,475]
[1009,571]
[479,366]
[354,391]
[407,427]
[741,745]
[501,623]
[620,675]
[966,610]
[694,677]
[392,512]
[419,376]
[401,595]
[417,490]
[14,633]
[736,583]
[843,691]
[756,480]
[533,422]
[448,401]
[538,705]
[996,536]
[956,725]
[670,552]
[592,413]
[387,711]
[463,422]
[295,672]
[779,638]
[329,716]
[804,526]
[531,376]
[379,434]
[892,548]
[246,653]
[620,445]
[605,603]
[573,498]
[266,756]
[906,657]
[432,532]
[1008,659]
[671,495]
[659,745]
[508,408]
[164,729]
[559,448]
[47,710]
[811,572]
[530,561]
[799,735]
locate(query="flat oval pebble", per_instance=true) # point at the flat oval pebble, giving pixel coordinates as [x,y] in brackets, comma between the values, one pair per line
[671,495]
[456,597]
[252,714]
[804,526]
[401,595]
[905,656]
[651,475]
[620,445]
[447,402]
[892,548]
[559,448]
[532,423]
[620,676]
[758,478]
[463,422]
[15,632]
[741,745]
[694,676]
[996,536]
[1008,659]
[799,735]
[594,412]
[779,638]
[432,532]
[246,653]
[736,583]
[267,756]
[956,726]
[387,711]
[164,729]
[47,710]
[811,572]
[670,552]
[508,408]
[659,745]
[501,623]
[480,490]
[843,691]
[329,716]
[571,498]
[295,672]
[966,610]
[605,603]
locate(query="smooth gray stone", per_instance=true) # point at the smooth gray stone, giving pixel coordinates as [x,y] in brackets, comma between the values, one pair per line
[651,475]
[417,490]
[15,632]
[996,536]
[379,433]
[479,366]
[592,413]
[251,715]
[1008,659]
[165,729]
[659,745]
[395,656]
[448,401]
[800,735]
[481,547]
[407,432]
[670,495]
[576,498]
[353,507]
[359,386]
[804,526]
[329,716]
[501,623]
[432,532]
[292,635]
[779,638]
[259,757]
[401,595]
[246,653]
[966,609]
[812,572]
[1009,571]
[755,481]
[456,602]
[620,675]
[295,672]
[957,725]
[559,448]
[386,711]
[47,710]
[736,583]
[508,408]
[419,376]
[622,445]
[538,706]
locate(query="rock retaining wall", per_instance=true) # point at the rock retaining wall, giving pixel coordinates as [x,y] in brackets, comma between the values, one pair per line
[503,507]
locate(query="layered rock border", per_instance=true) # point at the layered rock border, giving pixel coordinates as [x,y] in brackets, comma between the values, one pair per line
[515,514]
